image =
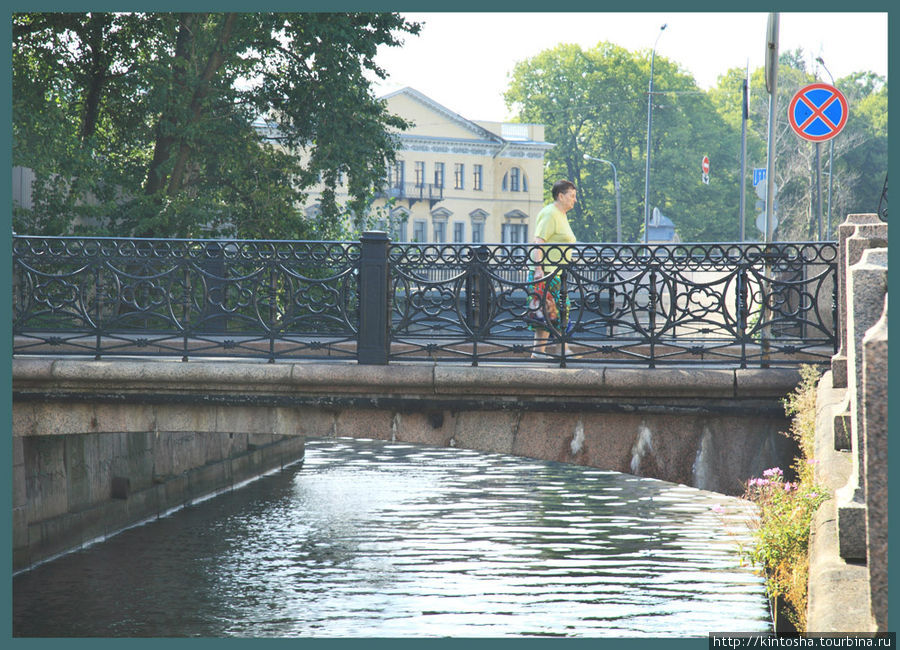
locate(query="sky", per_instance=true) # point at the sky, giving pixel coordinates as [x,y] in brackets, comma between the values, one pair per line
[464,60]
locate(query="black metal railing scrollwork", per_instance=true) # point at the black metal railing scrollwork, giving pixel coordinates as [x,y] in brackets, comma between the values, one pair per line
[722,304]
[192,298]
[717,304]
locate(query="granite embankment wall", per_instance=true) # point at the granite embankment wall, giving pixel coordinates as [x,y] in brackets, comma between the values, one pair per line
[99,445]
[848,587]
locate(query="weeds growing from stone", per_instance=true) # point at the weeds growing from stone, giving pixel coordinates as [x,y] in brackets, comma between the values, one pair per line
[785,508]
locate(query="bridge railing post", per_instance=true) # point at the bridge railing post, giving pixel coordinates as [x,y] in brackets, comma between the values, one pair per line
[374,336]
[477,305]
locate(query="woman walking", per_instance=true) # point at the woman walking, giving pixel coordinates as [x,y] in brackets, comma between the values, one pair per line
[552,228]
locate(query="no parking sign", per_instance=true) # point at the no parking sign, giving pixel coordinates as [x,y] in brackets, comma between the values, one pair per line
[818,112]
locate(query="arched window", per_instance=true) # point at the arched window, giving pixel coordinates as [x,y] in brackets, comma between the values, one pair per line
[514,181]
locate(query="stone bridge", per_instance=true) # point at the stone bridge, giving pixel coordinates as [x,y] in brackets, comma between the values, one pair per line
[101,445]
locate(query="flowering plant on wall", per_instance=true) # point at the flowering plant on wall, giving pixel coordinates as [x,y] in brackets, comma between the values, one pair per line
[786,508]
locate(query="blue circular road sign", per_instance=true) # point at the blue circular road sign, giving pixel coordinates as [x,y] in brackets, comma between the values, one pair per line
[818,112]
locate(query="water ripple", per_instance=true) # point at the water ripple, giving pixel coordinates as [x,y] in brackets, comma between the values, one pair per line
[370,539]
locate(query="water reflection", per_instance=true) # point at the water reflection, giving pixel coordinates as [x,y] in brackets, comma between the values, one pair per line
[380,540]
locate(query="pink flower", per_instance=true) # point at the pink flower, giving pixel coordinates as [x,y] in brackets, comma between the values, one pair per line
[773,472]
[718,509]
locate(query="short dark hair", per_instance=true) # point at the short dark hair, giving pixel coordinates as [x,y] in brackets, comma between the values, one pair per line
[560,187]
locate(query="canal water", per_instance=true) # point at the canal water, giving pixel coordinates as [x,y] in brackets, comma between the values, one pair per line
[373,539]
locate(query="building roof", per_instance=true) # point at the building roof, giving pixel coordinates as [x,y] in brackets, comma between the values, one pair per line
[511,134]
[467,124]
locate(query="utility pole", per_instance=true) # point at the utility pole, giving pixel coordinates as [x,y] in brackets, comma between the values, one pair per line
[649,128]
[745,109]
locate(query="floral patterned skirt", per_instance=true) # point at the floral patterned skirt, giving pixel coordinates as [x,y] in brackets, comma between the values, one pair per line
[540,308]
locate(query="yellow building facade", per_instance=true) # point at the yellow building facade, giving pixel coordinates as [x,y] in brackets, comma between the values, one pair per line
[458,180]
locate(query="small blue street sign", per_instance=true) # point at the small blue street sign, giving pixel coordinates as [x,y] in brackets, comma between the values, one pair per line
[759,175]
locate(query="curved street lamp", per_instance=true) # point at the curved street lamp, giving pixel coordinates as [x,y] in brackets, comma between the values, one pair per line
[618,203]
[830,161]
[649,127]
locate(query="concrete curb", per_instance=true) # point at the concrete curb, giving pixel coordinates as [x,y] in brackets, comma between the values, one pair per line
[397,379]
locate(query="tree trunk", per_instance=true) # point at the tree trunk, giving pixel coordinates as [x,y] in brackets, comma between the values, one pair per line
[95,31]
[213,64]
[168,121]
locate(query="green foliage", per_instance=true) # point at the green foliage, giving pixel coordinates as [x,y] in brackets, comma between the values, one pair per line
[860,150]
[786,508]
[595,102]
[144,123]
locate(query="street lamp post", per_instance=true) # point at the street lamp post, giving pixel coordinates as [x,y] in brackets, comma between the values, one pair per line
[618,203]
[649,128]
[830,162]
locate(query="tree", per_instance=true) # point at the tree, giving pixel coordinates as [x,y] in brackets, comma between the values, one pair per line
[595,102]
[149,123]
[860,150]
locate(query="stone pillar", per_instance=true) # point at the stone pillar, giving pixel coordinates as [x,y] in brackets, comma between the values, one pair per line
[866,289]
[857,234]
[875,418]
[845,231]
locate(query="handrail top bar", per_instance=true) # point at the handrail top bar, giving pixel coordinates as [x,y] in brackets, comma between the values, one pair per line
[188,240]
[221,240]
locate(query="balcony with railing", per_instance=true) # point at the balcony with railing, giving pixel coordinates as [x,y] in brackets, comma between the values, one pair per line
[413,192]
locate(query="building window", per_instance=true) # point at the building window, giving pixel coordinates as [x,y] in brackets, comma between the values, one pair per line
[420,228]
[459,232]
[397,174]
[439,224]
[397,224]
[514,179]
[459,173]
[477,218]
[439,174]
[420,173]
[515,233]
[477,183]
[313,211]
[440,231]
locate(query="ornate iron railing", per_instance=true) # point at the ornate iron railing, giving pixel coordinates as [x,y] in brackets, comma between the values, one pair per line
[736,305]
[109,296]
